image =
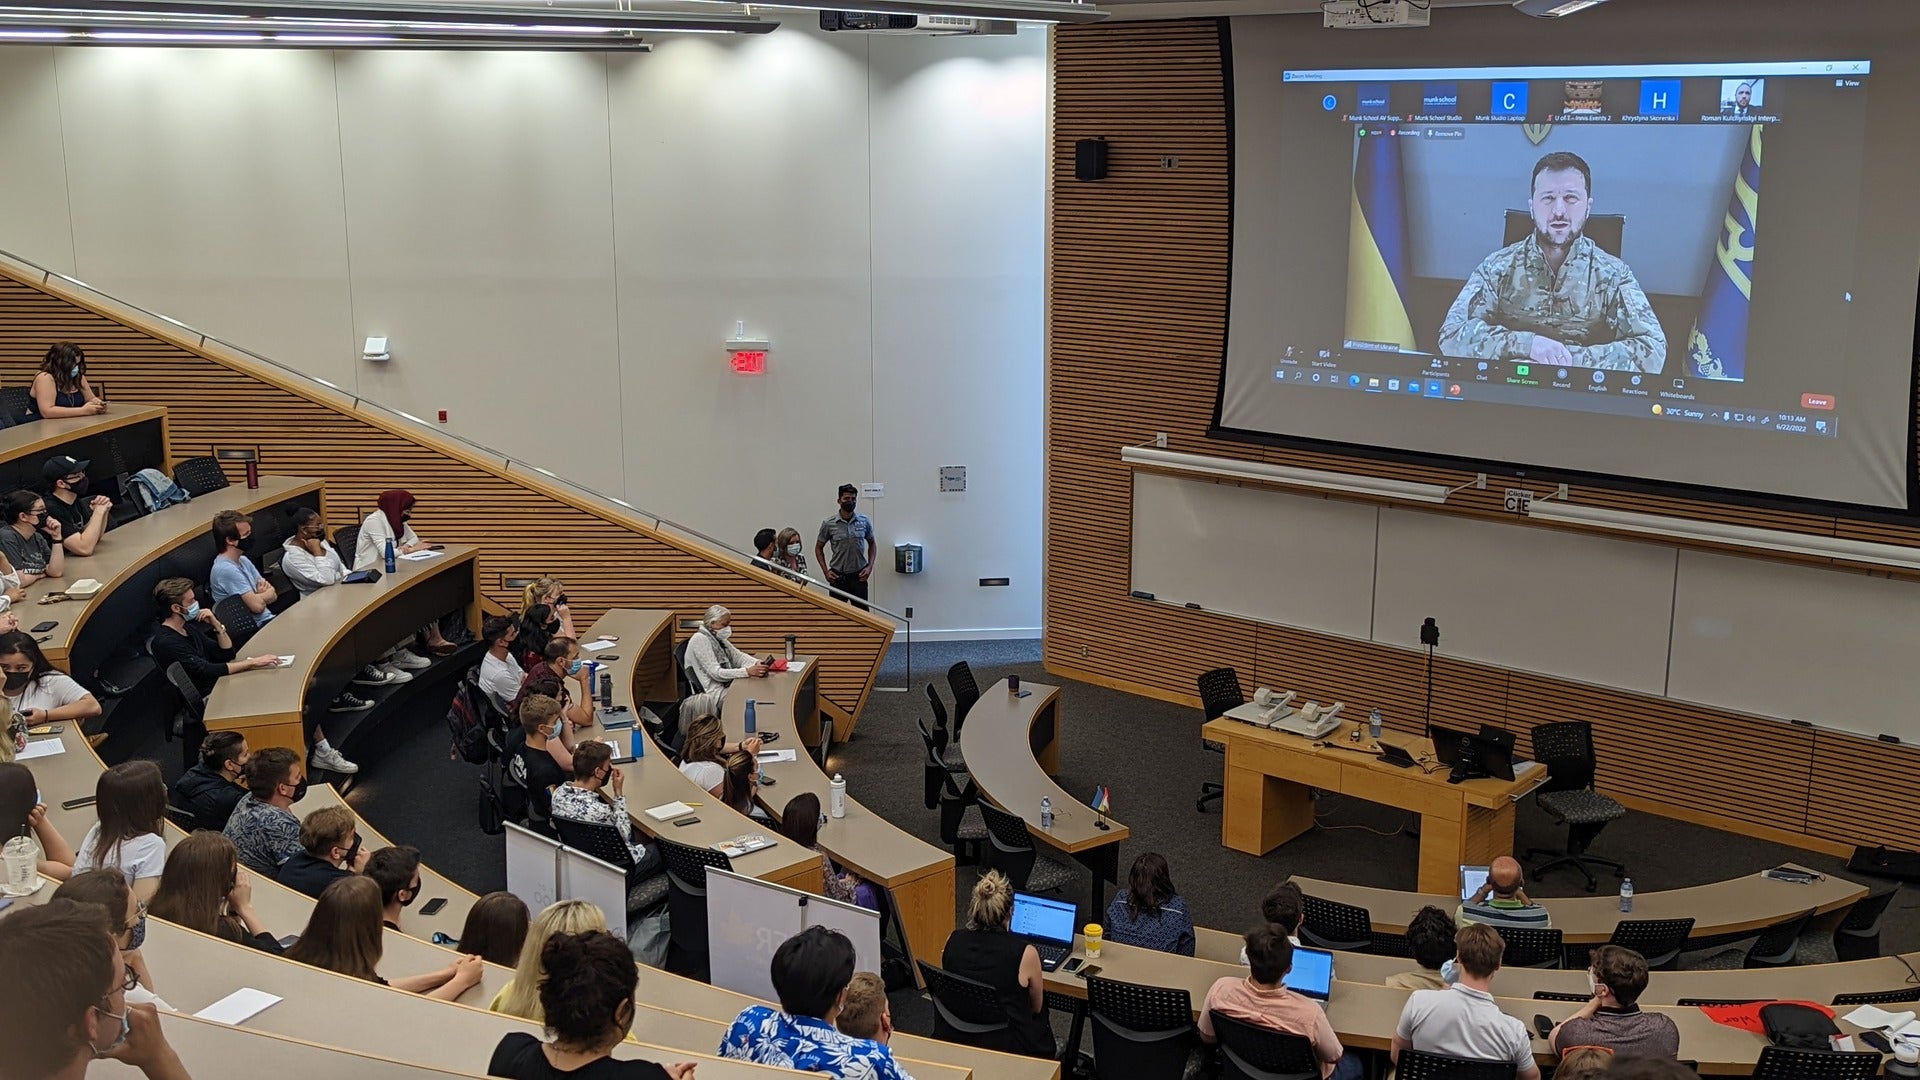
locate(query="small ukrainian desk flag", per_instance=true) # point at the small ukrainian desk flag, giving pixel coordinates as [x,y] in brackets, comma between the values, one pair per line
[1717,347]
[1379,254]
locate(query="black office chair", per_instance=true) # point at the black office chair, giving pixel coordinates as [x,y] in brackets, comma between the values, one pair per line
[603,842]
[1139,1032]
[1658,940]
[965,1010]
[1879,997]
[1386,944]
[346,541]
[1555,995]
[1010,850]
[961,827]
[1780,1063]
[1777,946]
[1219,691]
[1532,947]
[199,476]
[16,404]
[965,692]
[233,614]
[188,722]
[1329,924]
[1605,230]
[1696,1003]
[1858,935]
[1251,1052]
[950,753]
[687,905]
[1566,749]
[1420,1065]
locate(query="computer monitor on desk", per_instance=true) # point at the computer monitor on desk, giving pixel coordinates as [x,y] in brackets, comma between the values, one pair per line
[1486,753]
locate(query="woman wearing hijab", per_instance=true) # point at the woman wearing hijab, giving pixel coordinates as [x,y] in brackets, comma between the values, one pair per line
[389,523]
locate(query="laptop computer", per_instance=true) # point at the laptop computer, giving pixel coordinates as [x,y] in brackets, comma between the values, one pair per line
[1471,878]
[1397,756]
[1047,923]
[1312,974]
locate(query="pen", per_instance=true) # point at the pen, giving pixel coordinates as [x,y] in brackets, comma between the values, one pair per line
[696,804]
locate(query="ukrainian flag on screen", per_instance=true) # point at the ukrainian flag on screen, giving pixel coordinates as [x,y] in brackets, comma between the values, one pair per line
[1717,348]
[1379,256]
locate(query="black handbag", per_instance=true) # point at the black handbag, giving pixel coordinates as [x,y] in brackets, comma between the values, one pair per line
[1795,1026]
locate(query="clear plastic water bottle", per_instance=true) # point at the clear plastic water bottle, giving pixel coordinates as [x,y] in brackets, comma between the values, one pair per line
[390,562]
[752,724]
[1626,894]
[1046,811]
[837,795]
[1373,724]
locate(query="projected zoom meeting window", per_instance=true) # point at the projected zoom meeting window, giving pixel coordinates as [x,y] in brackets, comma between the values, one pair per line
[1667,245]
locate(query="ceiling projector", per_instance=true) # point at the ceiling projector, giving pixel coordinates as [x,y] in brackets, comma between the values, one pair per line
[1553,9]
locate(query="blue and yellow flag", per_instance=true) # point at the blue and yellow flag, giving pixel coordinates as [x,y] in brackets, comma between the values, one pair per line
[1379,256]
[1717,348]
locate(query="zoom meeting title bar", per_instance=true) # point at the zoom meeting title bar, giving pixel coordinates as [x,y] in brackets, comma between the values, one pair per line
[1605,71]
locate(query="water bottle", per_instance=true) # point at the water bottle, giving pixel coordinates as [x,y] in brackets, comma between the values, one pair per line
[606,690]
[1046,812]
[752,724]
[1626,894]
[389,556]
[791,640]
[1373,724]
[839,795]
[639,739]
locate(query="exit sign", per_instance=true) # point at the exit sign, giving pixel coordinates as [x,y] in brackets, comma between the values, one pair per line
[749,362]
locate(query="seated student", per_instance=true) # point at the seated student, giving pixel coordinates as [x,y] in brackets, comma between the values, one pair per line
[534,762]
[1430,937]
[1649,1069]
[330,850]
[344,935]
[126,916]
[543,616]
[389,522]
[83,521]
[800,823]
[30,539]
[711,657]
[234,573]
[216,783]
[263,827]
[1261,998]
[205,888]
[811,972]
[1463,1020]
[586,797]
[704,751]
[987,951]
[550,678]
[311,564]
[1584,1063]
[1152,914]
[1500,901]
[587,998]
[78,1010]
[1283,907]
[131,801]
[60,388]
[495,929]
[1612,1017]
[500,674]
[38,691]
[521,995]
[740,784]
[396,869]
[865,1014]
[22,813]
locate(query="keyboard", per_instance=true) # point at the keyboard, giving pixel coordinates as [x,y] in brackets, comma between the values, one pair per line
[1051,956]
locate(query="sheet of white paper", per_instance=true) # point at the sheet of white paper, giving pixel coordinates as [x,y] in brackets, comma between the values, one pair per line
[238,1007]
[796,665]
[418,555]
[1867,1016]
[1909,1030]
[596,646]
[42,748]
[1843,1043]
[285,660]
[783,754]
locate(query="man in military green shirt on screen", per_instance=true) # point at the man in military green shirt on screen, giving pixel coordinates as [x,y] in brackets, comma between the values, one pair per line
[1555,298]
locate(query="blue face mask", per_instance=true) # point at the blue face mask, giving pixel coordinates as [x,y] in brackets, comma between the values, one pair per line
[1449,972]
[74,371]
[574,668]
[192,612]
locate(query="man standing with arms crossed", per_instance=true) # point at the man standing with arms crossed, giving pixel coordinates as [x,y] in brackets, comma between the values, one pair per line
[854,547]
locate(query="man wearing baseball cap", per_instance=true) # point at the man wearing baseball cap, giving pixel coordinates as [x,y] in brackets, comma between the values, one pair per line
[83,520]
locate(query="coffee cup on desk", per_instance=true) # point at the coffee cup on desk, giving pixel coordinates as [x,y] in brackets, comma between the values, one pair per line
[1013,684]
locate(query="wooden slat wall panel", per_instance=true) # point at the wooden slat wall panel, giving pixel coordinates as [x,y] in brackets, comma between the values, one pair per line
[1137,303]
[525,527]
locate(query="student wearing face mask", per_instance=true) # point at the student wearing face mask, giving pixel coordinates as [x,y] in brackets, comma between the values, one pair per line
[389,522]
[549,678]
[312,564]
[711,655]
[595,795]
[60,387]
[787,557]
[234,573]
[1612,1017]
[534,760]
[544,613]
[78,1009]
[329,850]
[854,547]
[126,916]
[396,870]
[30,539]
[83,520]
[216,783]
[264,829]
[35,689]
[500,674]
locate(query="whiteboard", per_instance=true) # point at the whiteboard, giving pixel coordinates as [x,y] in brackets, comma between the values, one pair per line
[1293,560]
[602,884]
[1830,647]
[531,873]
[748,919]
[1580,607]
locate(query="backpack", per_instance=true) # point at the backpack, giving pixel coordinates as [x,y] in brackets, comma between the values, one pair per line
[154,490]
[492,810]
[468,719]
[1799,1025]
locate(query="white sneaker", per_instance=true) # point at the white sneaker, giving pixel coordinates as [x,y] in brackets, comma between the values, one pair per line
[403,658]
[326,757]
[375,675]
[395,674]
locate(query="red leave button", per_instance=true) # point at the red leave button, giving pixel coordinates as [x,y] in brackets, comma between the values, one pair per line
[1816,401]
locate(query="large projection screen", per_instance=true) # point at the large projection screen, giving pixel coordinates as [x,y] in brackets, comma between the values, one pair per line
[1674,254]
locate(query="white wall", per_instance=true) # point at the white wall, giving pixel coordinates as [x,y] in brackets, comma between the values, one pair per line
[557,245]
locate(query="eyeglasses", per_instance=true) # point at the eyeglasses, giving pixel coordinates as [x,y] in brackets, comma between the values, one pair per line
[131,980]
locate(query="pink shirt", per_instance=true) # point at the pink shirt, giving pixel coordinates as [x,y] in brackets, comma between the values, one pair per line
[1279,1009]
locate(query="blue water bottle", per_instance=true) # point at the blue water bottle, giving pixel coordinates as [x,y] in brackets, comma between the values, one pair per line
[389,556]
[752,725]
[639,742]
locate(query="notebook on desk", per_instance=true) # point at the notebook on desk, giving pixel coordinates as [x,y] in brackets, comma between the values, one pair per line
[1048,924]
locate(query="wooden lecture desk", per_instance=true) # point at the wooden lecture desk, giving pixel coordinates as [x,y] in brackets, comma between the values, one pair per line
[653,779]
[135,554]
[131,435]
[331,634]
[918,875]
[216,1051]
[1012,747]
[1723,909]
[1271,775]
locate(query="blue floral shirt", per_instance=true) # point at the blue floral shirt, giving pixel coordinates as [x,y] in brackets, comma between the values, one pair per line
[767,1036]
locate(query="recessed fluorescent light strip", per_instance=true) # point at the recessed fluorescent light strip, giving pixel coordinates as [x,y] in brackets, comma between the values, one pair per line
[1713,532]
[1370,486]
[1033,11]
[115,21]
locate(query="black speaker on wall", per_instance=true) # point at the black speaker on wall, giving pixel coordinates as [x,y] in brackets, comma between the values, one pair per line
[1090,159]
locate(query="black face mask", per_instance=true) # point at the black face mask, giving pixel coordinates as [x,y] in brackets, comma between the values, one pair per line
[848,505]
[245,543]
[17,680]
[412,895]
[78,487]
[300,790]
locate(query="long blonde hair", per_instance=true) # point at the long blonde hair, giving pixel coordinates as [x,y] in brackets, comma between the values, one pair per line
[522,995]
[704,740]
[992,905]
[536,592]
